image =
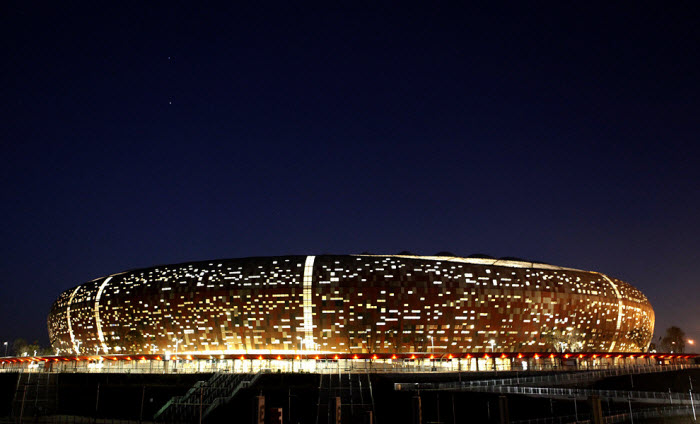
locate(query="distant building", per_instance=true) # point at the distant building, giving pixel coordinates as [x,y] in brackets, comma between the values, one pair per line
[352,304]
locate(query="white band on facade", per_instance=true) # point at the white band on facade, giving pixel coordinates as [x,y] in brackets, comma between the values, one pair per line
[70,326]
[98,323]
[307,296]
[619,309]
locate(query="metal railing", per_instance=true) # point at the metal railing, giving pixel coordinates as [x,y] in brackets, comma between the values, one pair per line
[561,392]
[562,378]
[152,366]
[614,417]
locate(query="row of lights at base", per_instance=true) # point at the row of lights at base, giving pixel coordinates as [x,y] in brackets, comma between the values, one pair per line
[325,357]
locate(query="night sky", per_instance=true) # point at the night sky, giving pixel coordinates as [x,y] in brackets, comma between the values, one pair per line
[137,136]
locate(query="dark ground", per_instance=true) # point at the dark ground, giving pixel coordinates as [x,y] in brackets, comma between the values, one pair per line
[298,395]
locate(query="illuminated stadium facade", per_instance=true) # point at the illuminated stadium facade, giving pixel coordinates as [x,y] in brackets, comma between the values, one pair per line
[351,304]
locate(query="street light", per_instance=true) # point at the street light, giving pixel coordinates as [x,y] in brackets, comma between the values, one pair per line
[5,348]
[432,349]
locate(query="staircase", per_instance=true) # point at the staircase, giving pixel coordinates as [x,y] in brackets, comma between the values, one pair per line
[35,394]
[204,397]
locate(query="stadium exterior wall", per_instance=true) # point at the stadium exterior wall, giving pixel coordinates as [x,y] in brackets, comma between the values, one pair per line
[351,304]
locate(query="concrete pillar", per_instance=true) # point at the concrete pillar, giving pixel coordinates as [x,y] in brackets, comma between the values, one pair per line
[504,416]
[596,410]
[338,411]
[275,415]
[260,418]
[417,410]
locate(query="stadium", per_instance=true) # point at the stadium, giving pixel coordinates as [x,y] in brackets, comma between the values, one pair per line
[351,305]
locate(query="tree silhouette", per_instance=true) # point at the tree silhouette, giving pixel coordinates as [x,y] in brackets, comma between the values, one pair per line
[674,340]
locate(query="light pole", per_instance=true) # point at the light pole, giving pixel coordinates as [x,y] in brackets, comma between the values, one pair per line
[690,393]
[5,348]
[629,402]
[177,342]
[432,351]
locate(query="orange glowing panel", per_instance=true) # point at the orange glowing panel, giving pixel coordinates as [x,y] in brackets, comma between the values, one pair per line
[431,357]
[520,355]
[552,355]
[279,357]
[393,356]
[374,356]
[486,356]
[413,356]
[260,358]
[354,357]
[298,357]
[242,357]
[503,356]
[537,356]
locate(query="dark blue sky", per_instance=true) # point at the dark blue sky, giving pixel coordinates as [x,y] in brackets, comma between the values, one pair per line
[134,137]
